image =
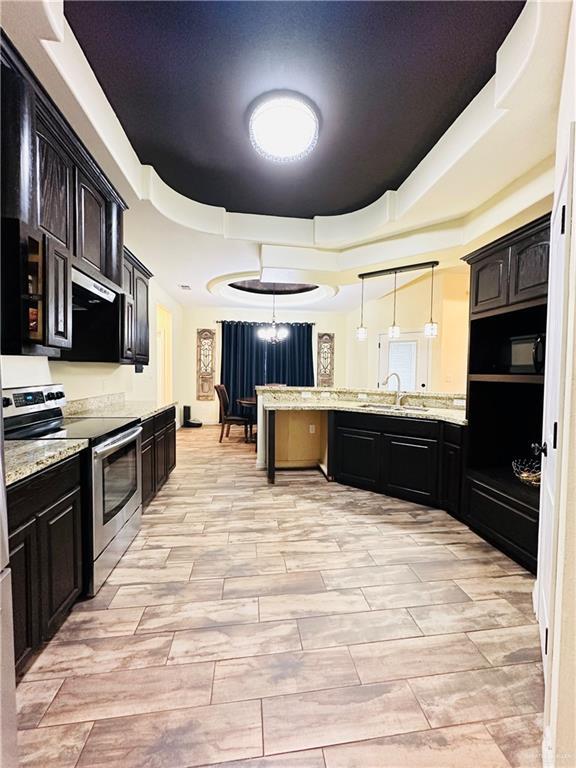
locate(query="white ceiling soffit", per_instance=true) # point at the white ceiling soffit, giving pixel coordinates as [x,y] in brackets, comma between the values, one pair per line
[506,130]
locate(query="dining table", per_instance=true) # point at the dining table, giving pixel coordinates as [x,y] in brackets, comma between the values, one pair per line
[249,404]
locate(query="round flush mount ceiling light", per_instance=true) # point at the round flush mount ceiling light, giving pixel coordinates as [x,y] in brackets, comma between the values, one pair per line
[283,127]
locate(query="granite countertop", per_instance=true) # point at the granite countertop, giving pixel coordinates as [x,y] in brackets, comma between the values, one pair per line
[451,415]
[140,409]
[26,457]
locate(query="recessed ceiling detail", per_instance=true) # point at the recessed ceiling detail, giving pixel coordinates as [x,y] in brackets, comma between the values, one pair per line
[388,79]
[280,289]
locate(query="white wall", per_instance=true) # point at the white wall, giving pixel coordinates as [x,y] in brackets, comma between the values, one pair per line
[207,317]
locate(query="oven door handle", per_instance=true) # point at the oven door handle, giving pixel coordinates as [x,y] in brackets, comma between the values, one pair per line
[116,442]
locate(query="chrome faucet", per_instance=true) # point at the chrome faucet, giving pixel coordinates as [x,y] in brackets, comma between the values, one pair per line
[398,399]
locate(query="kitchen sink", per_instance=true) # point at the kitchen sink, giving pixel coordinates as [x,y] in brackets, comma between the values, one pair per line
[392,407]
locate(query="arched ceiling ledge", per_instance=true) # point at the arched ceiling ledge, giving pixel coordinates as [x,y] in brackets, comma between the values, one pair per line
[528,65]
[220,286]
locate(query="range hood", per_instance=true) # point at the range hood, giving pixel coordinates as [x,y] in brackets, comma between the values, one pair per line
[86,291]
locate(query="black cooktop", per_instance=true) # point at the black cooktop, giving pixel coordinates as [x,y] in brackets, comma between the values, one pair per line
[94,429]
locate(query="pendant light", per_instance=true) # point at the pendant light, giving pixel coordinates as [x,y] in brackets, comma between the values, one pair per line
[362,331]
[431,328]
[394,330]
[273,333]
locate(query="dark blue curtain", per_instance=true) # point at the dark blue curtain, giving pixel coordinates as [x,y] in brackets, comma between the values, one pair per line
[247,361]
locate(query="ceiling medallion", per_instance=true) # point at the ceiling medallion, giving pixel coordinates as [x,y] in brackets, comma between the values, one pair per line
[283,127]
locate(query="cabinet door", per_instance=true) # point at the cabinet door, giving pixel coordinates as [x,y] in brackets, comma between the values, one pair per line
[489,281]
[55,188]
[91,213]
[58,295]
[127,327]
[358,458]
[411,468]
[23,563]
[451,478]
[529,267]
[170,447]
[160,458]
[141,331]
[148,472]
[128,278]
[60,541]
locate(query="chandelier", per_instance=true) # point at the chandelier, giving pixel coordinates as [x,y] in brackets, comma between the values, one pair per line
[272,332]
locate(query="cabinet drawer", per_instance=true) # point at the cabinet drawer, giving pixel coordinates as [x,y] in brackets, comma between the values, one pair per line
[164,418]
[29,496]
[147,429]
[504,521]
[399,425]
[453,434]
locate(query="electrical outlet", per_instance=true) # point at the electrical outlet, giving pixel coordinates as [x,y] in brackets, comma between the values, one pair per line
[312,429]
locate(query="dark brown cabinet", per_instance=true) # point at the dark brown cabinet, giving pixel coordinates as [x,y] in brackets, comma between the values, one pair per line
[25,568]
[55,188]
[410,466]
[45,546]
[58,295]
[401,457]
[91,225]
[135,316]
[59,536]
[358,457]
[489,283]
[158,452]
[529,267]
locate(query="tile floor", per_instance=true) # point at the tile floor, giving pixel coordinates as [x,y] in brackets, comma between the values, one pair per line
[301,625]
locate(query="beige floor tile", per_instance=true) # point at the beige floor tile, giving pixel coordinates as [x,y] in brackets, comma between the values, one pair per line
[520,739]
[203,552]
[168,593]
[413,554]
[420,593]
[399,659]
[57,747]
[466,617]
[280,673]
[343,578]
[516,589]
[99,602]
[82,625]
[457,569]
[168,618]
[372,542]
[282,548]
[512,645]
[183,738]
[485,694]
[234,641]
[228,568]
[105,655]
[146,575]
[322,603]
[320,718]
[309,759]
[466,746]
[447,537]
[274,584]
[180,540]
[33,699]
[328,560]
[130,692]
[346,629]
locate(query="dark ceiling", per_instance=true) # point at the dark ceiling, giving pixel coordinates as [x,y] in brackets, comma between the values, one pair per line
[388,77]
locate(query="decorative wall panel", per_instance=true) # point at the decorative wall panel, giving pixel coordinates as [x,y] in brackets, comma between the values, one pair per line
[205,359]
[325,360]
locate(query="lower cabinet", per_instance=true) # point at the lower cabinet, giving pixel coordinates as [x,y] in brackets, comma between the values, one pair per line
[45,550]
[410,468]
[158,452]
[418,460]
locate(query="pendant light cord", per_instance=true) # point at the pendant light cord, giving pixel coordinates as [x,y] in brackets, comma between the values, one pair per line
[432,295]
[362,306]
[394,318]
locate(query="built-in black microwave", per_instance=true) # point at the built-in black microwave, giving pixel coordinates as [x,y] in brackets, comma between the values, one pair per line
[526,353]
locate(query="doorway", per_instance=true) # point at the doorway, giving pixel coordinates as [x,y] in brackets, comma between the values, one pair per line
[164,370]
[409,357]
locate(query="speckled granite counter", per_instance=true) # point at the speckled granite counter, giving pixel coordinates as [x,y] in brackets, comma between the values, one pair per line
[26,457]
[114,406]
[451,415]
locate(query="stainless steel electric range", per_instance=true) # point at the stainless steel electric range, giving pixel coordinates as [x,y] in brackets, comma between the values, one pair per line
[113,473]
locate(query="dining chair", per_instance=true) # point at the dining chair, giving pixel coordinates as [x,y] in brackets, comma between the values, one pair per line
[226,419]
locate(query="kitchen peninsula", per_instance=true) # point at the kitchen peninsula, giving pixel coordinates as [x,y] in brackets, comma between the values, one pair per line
[408,445]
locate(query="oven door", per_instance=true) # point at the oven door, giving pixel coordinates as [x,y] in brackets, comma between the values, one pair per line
[117,485]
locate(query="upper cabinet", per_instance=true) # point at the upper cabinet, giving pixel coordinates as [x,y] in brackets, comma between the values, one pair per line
[136,322]
[512,271]
[58,211]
